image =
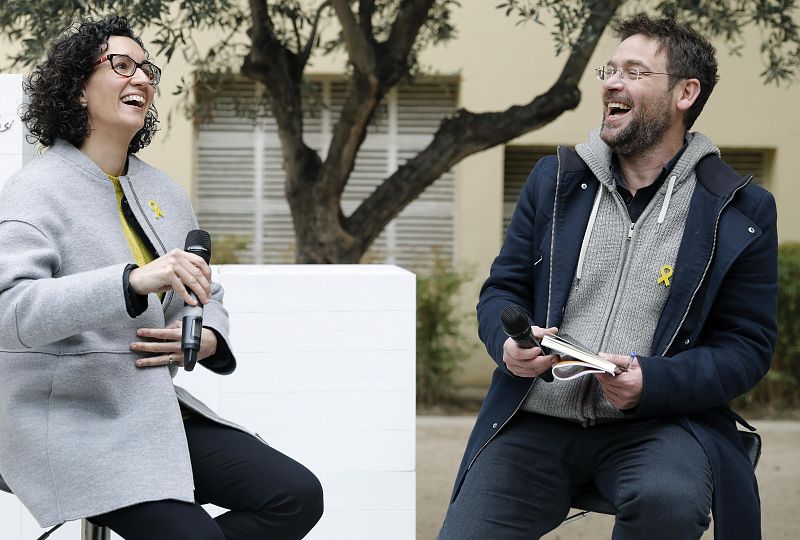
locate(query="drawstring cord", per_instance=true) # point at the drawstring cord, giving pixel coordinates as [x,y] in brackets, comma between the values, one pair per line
[587,236]
[667,198]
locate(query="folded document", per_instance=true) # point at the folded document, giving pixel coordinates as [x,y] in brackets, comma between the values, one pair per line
[577,360]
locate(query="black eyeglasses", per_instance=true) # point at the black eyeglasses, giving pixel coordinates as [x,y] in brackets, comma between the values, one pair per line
[124,65]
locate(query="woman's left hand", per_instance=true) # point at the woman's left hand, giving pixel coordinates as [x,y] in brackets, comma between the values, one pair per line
[167,351]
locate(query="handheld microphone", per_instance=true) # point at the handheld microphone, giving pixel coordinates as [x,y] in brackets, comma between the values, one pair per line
[198,242]
[517,326]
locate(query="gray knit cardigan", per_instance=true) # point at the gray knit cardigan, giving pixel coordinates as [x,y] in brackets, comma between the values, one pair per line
[82,430]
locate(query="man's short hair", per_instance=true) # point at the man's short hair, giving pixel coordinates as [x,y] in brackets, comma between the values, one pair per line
[689,55]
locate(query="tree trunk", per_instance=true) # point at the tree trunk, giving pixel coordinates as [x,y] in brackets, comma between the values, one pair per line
[319,235]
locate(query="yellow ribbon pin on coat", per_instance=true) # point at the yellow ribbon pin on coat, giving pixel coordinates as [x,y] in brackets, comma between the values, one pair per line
[155,208]
[666,273]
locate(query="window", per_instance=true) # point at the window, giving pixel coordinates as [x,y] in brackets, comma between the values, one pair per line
[240,180]
[745,161]
[518,163]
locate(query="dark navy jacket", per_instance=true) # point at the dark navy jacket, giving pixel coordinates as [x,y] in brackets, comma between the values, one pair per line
[714,340]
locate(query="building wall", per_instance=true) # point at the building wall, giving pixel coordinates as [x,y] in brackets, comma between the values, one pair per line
[501,63]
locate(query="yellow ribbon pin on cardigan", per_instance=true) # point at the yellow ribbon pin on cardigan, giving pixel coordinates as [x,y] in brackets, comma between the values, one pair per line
[155,208]
[666,273]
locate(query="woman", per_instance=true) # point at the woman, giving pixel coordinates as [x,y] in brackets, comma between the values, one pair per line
[92,279]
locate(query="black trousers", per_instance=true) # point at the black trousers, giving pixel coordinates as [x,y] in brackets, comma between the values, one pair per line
[520,486]
[268,494]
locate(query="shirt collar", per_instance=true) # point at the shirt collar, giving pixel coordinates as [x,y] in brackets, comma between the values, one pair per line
[616,173]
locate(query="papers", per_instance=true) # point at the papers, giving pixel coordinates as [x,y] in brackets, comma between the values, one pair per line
[577,360]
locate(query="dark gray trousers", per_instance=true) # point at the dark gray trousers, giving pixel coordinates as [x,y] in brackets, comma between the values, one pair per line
[655,473]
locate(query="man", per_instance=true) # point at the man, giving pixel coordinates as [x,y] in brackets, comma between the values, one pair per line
[641,239]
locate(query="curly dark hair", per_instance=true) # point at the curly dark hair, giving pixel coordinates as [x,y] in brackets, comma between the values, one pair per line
[55,86]
[689,55]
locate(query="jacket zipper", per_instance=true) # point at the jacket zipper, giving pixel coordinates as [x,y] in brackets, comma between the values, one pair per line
[708,263]
[547,323]
[625,254]
[553,237]
[587,396]
[170,294]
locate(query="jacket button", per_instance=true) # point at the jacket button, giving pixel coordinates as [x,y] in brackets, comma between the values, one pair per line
[584,186]
[686,341]
[751,230]
[494,425]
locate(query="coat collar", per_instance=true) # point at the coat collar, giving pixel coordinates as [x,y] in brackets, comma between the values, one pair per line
[717,183]
[575,190]
[70,153]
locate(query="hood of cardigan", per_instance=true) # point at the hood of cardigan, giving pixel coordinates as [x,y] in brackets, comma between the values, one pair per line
[597,156]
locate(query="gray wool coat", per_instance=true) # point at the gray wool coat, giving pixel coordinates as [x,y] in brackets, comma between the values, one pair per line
[82,430]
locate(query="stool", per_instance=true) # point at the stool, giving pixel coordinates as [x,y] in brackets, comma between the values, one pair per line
[588,499]
[89,531]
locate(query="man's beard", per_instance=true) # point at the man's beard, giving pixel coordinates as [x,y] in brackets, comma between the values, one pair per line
[644,130]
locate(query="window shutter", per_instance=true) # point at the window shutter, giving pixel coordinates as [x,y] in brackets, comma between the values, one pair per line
[225,159]
[518,163]
[427,225]
[753,161]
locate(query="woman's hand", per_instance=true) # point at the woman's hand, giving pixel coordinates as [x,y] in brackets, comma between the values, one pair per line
[168,350]
[176,271]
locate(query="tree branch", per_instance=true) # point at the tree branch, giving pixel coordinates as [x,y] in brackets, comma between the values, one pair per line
[297,37]
[364,95]
[411,15]
[305,54]
[262,30]
[272,63]
[581,52]
[366,9]
[467,133]
[359,48]
[368,87]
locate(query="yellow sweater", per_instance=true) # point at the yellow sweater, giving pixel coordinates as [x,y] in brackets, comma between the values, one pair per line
[141,255]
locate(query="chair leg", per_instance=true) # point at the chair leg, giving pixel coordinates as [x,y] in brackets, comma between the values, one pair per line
[576,516]
[90,531]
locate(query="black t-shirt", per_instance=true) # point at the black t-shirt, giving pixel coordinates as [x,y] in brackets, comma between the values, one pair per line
[637,203]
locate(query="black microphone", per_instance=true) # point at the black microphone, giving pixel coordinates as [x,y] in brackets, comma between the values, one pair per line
[198,242]
[517,326]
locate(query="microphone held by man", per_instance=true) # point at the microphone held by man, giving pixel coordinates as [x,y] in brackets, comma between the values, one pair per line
[517,326]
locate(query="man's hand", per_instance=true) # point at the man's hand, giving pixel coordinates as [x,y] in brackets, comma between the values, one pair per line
[625,390]
[528,362]
[168,350]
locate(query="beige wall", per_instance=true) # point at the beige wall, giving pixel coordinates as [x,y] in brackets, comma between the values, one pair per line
[501,64]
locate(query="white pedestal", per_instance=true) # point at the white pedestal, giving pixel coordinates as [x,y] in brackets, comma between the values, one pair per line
[326,375]
[14,150]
